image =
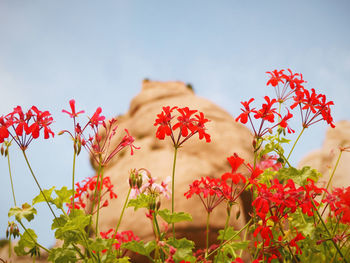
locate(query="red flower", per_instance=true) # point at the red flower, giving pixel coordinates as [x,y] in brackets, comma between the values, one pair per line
[122,237]
[284,123]
[339,202]
[313,107]
[97,145]
[208,190]
[267,112]
[276,77]
[24,128]
[235,162]
[72,114]
[163,121]
[187,125]
[96,119]
[243,117]
[185,121]
[84,193]
[291,83]
[200,127]
[293,242]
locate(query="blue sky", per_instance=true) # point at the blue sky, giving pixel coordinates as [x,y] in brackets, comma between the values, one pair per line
[99,52]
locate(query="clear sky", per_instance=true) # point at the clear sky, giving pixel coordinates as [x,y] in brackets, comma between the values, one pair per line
[98,52]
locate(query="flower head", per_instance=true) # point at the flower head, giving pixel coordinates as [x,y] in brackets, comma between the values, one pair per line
[73,114]
[23,128]
[188,123]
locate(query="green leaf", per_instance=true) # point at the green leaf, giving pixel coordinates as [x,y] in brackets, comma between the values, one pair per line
[62,255]
[184,249]
[63,196]
[238,245]
[141,201]
[100,244]
[71,228]
[140,247]
[40,198]
[175,217]
[27,211]
[230,232]
[298,176]
[27,243]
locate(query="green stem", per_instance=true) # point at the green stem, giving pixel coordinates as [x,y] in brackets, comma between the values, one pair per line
[73,178]
[173,189]
[122,213]
[36,243]
[333,172]
[207,236]
[229,240]
[329,234]
[226,225]
[41,191]
[9,165]
[94,198]
[99,200]
[295,143]
[244,239]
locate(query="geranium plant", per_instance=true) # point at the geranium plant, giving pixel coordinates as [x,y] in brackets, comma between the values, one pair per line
[293,218]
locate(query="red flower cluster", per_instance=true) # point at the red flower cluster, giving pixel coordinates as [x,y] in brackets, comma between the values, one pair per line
[266,113]
[212,191]
[122,237]
[23,128]
[339,201]
[187,124]
[276,203]
[84,193]
[313,107]
[209,191]
[289,83]
[98,146]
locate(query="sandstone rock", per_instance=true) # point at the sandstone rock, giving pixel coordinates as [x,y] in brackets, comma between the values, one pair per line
[195,159]
[324,159]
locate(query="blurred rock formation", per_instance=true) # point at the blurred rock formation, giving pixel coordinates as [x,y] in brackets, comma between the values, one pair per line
[324,159]
[195,159]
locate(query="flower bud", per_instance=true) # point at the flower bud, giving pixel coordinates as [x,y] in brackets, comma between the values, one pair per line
[60,133]
[2,150]
[254,143]
[79,148]
[6,152]
[158,205]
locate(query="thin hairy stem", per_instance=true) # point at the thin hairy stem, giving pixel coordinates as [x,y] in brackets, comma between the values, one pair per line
[36,181]
[329,234]
[13,190]
[73,177]
[173,189]
[295,143]
[207,236]
[229,240]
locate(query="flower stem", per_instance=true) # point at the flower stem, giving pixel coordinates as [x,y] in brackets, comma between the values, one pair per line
[73,178]
[122,213]
[230,239]
[99,200]
[333,172]
[207,235]
[173,189]
[36,181]
[325,227]
[25,229]
[9,165]
[296,141]
[226,225]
